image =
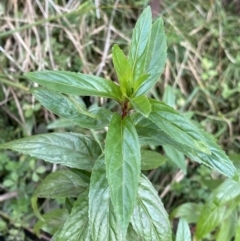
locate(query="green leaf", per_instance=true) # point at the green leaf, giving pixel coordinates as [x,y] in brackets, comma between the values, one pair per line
[76,83]
[76,227]
[102,218]
[183,231]
[69,149]
[156,57]
[123,69]
[68,108]
[141,104]
[177,127]
[212,215]
[188,211]
[176,157]
[139,45]
[169,96]
[237,235]
[228,227]
[151,160]
[63,183]
[122,154]
[150,219]
[149,133]
[53,221]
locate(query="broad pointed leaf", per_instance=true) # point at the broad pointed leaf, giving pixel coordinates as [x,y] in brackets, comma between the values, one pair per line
[122,153]
[149,133]
[122,68]
[141,104]
[139,45]
[62,183]
[151,160]
[150,219]
[53,221]
[102,218]
[76,83]
[69,149]
[156,57]
[183,231]
[68,108]
[177,127]
[76,227]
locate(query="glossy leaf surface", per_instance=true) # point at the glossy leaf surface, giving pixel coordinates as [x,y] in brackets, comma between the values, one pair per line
[183,231]
[139,45]
[69,149]
[151,159]
[123,69]
[62,183]
[149,133]
[156,57]
[102,219]
[150,219]
[122,153]
[53,221]
[141,104]
[68,108]
[76,227]
[76,83]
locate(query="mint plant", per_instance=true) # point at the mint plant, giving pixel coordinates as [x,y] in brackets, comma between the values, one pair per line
[114,200]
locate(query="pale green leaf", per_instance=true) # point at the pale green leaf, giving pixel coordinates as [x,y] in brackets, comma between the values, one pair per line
[151,159]
[123,69]
[69,149]
[228,227]
[141,104]
[176,157]
[237,235]
[76,227]
[70,109]
[102,218]
[169,96]
[156,57]
[53,221]
[188,211]
[123,158]
[150,219]
[183,231]
[76,83]
[62,183]
[139,44]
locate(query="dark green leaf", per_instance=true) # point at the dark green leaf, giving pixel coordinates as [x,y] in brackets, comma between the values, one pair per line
[122,68]
[63,183]
[76,83]
[123,158]
[141,104]
[156,57]
[183,231]
[76,227]
[139,45]
[102,219]
[176,157]
[151,160]
[189,211]
[69,149]
[149,133]
[177,127]
[53,221]
[68,108]
[150,219]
